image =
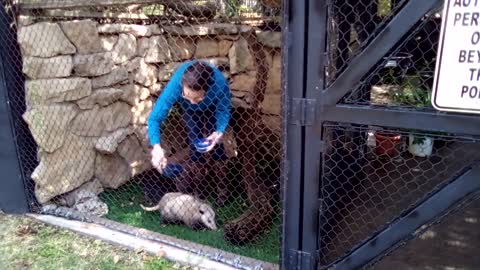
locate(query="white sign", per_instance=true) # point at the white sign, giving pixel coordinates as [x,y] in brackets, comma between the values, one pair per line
[456,85]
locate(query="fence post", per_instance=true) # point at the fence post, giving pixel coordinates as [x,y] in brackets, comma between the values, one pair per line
[293,87]
[13,195]
[315,83]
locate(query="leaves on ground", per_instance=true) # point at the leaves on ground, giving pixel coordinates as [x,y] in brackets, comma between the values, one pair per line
[29,244]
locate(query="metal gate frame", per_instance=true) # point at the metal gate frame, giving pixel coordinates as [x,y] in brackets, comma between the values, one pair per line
[309,103]
[13,194]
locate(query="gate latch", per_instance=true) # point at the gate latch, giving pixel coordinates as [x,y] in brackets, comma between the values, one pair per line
[303,111]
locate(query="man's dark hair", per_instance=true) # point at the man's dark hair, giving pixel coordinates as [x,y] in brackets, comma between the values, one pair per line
[198,76]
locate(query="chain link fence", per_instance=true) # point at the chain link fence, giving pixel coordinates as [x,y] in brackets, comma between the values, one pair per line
[100,85]
[371,175]
[352,25]
[404,78]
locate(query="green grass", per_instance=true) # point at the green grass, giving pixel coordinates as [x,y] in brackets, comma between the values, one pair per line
[29,244]
[124,208]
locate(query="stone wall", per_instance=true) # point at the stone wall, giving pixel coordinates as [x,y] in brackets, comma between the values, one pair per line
[90,88]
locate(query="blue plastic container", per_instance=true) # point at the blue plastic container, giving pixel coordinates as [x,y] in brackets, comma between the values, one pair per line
[172,170]
[202,145]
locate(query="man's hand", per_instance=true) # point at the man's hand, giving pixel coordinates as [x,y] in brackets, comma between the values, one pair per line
[214,139]
[159,161]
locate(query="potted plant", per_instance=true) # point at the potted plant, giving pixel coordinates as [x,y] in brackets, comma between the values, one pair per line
[418,94]
[387,144]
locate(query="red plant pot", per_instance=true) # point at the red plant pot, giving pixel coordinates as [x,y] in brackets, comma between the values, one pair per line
[387,144]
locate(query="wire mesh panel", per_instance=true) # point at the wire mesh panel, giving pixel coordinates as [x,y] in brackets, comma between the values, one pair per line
[163,115]
[404,77]
[451,244]
[371,175]
[351,27]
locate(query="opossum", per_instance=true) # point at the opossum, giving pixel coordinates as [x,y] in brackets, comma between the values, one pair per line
[177,207]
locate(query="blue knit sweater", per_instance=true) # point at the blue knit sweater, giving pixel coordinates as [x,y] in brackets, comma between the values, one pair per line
[217,95]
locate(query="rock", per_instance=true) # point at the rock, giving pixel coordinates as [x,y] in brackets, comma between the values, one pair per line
[207,29]
[156,89]
[24,20]
[44,68]
[93,186]
[240,57]
[206,48]
[221,62]
[142,135]
[245,96]
[158,50]
[224,47]
[270,39]
[141,111]
[136,30]
[65,169]
[93,64]
[88,190]
[111,170]
[133,94]
[100,120]
[46,91]
[125,49]
[383,94]
[49,208]
[181,48]
[92,205]
[108,42]
[228,37]
[238,94]
[83,34]
[49,124]
[274,84]
[142,46]
[133,65]
[237,102]
[226,75]
[108,144]
[131,150]
[243,82]
[166,71]
[141,92]
[102,97]
[128,94]
[146,74]
[117,75]
[44,39]
[272,104]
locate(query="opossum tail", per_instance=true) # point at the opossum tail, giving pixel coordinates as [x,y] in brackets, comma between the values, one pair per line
[154,208]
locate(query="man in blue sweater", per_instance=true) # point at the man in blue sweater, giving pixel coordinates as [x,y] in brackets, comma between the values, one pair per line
[204,95]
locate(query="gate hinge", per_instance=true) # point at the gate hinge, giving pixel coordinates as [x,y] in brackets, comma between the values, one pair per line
[303,111]
[300,260]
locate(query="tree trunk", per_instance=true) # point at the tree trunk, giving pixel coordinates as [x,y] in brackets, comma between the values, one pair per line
[258,217]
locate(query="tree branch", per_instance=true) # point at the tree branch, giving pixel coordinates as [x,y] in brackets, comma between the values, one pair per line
[184,7]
